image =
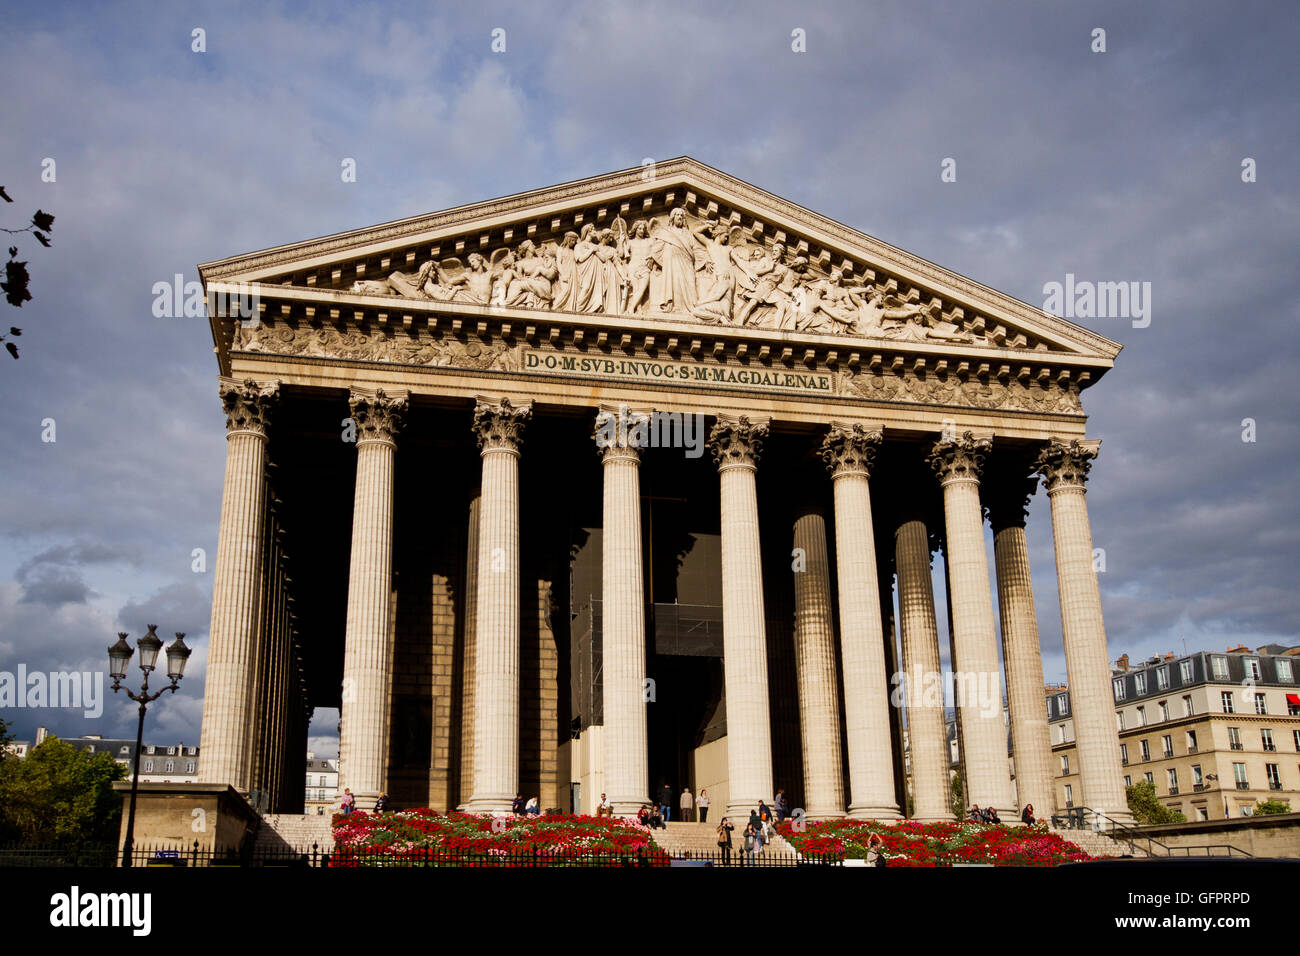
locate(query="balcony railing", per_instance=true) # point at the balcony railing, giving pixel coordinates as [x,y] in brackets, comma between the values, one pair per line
[1243,785]
[1173,791]
[1169,753]
[1191,748]
[1200,787]
[1236,746]
[1270,748]
[1275,785]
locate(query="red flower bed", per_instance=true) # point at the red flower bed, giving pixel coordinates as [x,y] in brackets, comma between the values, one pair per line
[909,843]
[417,837]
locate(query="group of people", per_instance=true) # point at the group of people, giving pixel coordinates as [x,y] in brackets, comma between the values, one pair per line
[759,830]
[524,808]
[348,802]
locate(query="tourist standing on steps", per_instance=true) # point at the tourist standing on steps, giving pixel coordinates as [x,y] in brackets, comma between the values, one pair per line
[687,804]
[348,801]
[782,808]
[666,802]
[702,804]
[751,838]
[724,838]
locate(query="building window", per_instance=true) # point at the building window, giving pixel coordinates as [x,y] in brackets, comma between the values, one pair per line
[1060,704]
[1146,750]
[1202,813]
[1185,671]
[1172,774]
[189,766]
[1284,671]
[1149,777]
[1069,796]
[169,766]
[1274,778]
[148,766]
[1162,678]
[1261,706]
[1191,742]
[1188,709]
[1234,738]
[1266,738]
[1219,667]
[1119,688]
[1226,698]
[1252,668]
[1119,716]
[1140,683]
[1239,775]
[309,780]
[171,751]
[90,748]
[1295,737]
[1168,741]
[1123,752]
[1142,716]
[322,780]
[1065,765]
[124,749]
[1197,779]
[1292,706]
[1128,781]
[1164,710]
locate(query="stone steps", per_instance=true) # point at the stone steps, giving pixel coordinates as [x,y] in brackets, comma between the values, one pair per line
[696,839]
[297,831]
[1100,844]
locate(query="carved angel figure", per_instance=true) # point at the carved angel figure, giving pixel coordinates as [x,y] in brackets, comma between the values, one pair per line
[892,317]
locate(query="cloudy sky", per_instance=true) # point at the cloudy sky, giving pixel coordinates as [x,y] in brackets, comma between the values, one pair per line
[1123,165]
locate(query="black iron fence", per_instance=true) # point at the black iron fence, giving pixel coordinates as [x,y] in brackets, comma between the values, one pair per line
[317,856]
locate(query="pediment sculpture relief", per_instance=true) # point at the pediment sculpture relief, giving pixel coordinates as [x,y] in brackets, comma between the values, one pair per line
[708,271]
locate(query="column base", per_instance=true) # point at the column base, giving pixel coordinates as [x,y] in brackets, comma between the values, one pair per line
[874,813]
[496,805]
[931,818]
[822,813]
[627,808]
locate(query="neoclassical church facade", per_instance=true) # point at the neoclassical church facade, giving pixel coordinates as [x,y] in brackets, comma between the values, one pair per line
[639,481]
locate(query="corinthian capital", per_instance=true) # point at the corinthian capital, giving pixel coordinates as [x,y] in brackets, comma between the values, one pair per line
[1066,464]
[499,426]
[959,459]
[621,432]
[850,449]
[737,442]
[248,404]
[378,414]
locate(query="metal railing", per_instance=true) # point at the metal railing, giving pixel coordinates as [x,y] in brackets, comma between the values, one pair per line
[317,856]
[1122,833]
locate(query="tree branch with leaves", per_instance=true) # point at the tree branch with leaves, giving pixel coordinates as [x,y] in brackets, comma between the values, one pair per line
[17,279]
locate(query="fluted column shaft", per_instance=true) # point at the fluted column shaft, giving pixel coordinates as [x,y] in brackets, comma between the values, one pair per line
[927,734]
[736,446]
[228,704]
[624,740]
[1087,659]
[814,637]
[467,665]
[849,451]
[1022,657]
[496,651]
[977,678]
[367,655]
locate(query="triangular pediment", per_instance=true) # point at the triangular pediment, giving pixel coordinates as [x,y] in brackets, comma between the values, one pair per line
[678,242]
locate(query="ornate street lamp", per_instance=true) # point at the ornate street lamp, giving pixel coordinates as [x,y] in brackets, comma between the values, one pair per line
[119,656]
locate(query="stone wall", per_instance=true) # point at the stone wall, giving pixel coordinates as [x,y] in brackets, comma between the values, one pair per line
[1276,835]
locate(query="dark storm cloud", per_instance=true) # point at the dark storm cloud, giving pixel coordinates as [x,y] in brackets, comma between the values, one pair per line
[1116,166]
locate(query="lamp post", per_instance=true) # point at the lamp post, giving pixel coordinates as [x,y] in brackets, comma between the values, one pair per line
[119,655]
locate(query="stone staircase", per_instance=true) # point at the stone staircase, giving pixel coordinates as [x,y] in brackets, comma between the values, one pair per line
[1100,844]
[701,840]
[294,831]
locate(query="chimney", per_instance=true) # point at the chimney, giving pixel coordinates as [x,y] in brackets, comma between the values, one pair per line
[1122,663]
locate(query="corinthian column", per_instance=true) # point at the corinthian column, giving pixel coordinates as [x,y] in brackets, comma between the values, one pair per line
[368,652]
[814,641]
[499,428]
[735,446]
[237,579]
[976,675]
[1021,654]
[1065,469]
[620,435]
[849,451]
[927,732]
